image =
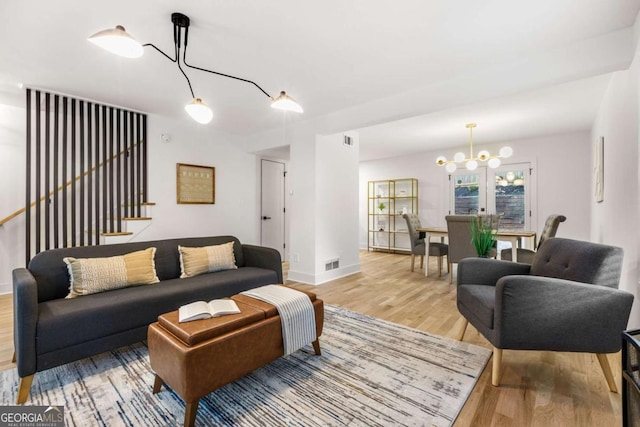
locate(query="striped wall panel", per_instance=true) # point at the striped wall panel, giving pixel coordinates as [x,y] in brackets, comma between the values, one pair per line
[86,170]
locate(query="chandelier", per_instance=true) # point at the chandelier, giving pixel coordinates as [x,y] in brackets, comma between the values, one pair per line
[118,41]
[471,162]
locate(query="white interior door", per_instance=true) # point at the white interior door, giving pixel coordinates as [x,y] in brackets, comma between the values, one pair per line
[272,214]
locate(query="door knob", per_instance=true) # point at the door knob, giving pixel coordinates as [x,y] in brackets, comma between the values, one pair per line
[265,218]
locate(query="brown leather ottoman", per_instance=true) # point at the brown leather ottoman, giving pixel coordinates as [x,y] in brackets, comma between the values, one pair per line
[196,358]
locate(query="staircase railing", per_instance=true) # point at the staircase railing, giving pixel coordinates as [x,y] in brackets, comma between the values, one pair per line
[20,211]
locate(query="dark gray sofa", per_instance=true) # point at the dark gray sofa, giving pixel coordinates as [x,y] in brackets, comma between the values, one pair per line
[50,330]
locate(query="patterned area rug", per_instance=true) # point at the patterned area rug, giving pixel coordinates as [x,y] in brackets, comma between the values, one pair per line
[371,373]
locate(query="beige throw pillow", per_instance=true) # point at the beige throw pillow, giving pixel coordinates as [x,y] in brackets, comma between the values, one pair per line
[207,259]
[93,275]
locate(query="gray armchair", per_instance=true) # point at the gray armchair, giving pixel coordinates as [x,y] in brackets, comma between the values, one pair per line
[418,246]
[567,300]
[548,231]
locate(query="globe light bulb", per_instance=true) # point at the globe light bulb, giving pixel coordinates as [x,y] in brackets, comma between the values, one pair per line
[451,167]
[506,152]
[494,163]
[458,157]
[472,165]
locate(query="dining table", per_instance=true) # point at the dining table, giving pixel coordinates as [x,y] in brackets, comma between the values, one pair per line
[516,237]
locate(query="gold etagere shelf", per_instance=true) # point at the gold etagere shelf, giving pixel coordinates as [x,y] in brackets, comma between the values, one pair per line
[387,201]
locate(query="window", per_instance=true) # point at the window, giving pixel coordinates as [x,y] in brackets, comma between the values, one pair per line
[504,190]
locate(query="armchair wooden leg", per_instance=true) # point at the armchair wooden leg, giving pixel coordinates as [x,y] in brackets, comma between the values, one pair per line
[413,261]
[450,272]
[23,388]
[439,266]
[422,262]
[13,358]
[463,329]
[496,372]
[606,369]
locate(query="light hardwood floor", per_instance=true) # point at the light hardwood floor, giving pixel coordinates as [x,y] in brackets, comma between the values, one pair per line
[537,389]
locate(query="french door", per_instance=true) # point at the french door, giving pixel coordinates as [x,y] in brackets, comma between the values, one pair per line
[505,190]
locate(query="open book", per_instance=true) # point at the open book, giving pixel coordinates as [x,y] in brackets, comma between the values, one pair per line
[204,310]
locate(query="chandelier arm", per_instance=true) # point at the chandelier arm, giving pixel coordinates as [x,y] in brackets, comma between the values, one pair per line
[176,60]
[183,73]
[184,60]
[180,21]
[166,56]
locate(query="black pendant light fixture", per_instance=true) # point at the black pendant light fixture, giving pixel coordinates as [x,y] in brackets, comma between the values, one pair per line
[119,42]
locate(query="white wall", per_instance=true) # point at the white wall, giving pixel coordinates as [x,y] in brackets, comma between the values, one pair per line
[233,213]
[323,225]
[12,191]
[235,209]
[302,213]
[561,185]
[336,206]
[615,220]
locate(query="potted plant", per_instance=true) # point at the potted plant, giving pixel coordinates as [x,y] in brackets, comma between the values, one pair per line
[381,207]
[483,237]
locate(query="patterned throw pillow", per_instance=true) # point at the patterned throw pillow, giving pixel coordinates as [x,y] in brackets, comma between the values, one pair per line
[207,259]
[93,275]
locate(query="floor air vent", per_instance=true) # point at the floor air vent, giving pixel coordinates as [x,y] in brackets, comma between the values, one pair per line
[331,264]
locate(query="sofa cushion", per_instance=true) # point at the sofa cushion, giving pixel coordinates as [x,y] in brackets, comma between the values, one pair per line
[579,262]
[52,276]
[207,259]
[93,275]
[66,322]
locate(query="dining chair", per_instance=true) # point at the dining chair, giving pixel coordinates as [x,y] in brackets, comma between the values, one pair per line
[460,244]
[491,219]
[550,229]
[418,245]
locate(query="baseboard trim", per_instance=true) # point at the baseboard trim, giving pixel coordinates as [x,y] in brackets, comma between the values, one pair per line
[325,276]
[328,276]
[6,288]
[296,276]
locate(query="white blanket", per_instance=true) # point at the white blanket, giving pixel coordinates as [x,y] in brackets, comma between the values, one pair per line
[295,310]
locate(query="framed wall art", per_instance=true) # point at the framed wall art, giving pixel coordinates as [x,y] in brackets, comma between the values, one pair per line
[196,184]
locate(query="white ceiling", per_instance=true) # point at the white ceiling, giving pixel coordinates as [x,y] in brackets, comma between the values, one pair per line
[569,107]
[329,55]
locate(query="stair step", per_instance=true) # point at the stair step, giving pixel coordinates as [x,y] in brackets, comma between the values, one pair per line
[117,233]
[141,204]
